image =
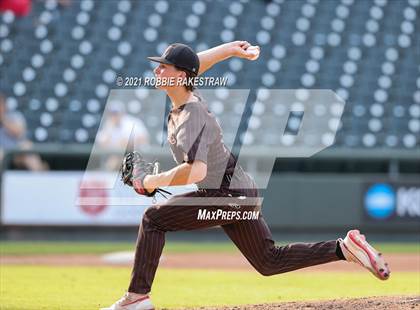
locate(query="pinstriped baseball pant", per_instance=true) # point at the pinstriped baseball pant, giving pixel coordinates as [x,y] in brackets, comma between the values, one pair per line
[252,237]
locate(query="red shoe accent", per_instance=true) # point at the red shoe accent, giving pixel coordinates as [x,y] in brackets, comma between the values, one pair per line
[368,252]
[137,300]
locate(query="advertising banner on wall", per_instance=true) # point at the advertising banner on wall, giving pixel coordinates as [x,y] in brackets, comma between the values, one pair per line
[58,198]
[392,201]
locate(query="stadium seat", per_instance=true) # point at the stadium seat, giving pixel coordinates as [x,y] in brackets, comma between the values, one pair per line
[363,50]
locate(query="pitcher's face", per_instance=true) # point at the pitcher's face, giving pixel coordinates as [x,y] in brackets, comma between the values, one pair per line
[168,72]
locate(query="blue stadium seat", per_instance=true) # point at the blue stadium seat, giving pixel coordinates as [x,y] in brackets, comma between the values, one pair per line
[363,50]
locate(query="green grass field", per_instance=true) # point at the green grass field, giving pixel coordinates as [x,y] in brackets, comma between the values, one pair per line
[41,287]
[52,287]
[44,247]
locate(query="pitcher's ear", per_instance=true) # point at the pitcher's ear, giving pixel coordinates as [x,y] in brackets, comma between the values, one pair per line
[182,74]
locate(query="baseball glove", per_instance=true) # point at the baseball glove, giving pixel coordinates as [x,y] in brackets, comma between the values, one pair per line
[133,171]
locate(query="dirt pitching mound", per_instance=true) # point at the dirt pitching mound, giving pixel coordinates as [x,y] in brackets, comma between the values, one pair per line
[388,303]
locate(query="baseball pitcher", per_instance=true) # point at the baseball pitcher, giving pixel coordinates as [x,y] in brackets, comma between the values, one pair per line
[196,143]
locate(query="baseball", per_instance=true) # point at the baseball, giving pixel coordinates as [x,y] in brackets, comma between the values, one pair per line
[254,50]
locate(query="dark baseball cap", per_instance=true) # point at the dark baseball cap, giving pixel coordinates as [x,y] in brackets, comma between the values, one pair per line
[179,55]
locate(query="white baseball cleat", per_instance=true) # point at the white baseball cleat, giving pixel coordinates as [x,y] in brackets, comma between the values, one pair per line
[129,302]
[356,249]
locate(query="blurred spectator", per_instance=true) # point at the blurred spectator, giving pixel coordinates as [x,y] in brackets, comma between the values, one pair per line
[13,136]
[120,131]
[18,7]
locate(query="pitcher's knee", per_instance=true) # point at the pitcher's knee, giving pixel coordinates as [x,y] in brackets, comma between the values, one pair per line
[265,270]
[150,211]
[149,217]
